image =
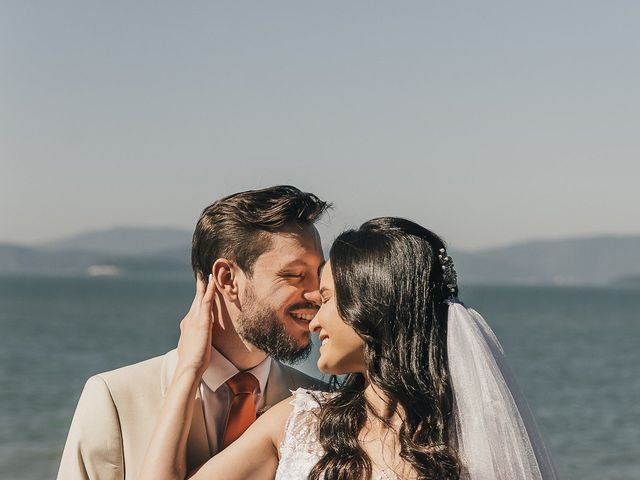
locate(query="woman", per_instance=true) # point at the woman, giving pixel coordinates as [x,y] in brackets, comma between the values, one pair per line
[426,396]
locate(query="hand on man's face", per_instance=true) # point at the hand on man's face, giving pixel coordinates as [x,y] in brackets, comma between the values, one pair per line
[194,345]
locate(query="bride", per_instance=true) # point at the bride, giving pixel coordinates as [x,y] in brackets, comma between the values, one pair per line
[427,394]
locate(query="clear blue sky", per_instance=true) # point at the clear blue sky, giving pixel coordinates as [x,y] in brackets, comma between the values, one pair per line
[489,122]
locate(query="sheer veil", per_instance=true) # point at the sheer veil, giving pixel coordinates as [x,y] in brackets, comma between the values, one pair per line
[496,433]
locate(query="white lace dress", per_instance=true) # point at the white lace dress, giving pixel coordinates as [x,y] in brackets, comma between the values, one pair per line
[300,449]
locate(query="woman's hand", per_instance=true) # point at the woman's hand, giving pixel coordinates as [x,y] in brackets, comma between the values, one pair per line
[166,457]
[254,455]
[194,346]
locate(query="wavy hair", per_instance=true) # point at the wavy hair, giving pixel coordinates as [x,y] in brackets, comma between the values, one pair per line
[390,289]
[236,227]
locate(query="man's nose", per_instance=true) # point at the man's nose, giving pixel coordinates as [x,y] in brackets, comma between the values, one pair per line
[312,283]
[313,297]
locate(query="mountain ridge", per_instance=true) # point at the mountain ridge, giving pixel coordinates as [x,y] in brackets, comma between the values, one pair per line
[121,240]
[158,251]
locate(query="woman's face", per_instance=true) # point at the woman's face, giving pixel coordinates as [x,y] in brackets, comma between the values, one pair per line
[342,348]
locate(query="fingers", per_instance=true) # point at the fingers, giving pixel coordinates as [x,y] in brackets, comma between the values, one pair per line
[194,344]
[209,292]
[200,287]
[198,294]
[207,307]
[200,314]
[217,300]
[200,291]
[201,310]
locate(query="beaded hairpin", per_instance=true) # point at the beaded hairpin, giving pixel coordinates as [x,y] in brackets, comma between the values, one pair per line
[448,272]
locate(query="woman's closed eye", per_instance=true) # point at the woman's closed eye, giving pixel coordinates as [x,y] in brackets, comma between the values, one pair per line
[325,295]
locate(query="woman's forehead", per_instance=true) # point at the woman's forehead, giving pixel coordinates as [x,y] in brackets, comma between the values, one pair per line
[326,276]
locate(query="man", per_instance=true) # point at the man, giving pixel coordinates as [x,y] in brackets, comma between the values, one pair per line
[264,254]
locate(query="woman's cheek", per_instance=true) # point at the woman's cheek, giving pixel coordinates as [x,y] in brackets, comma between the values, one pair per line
[327,360]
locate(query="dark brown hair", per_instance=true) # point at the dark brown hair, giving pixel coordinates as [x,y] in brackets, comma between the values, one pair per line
[236,227]
[389,287]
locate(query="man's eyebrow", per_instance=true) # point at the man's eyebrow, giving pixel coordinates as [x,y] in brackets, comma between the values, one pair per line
[293,263]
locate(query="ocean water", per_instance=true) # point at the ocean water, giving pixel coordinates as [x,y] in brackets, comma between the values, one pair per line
[576,352]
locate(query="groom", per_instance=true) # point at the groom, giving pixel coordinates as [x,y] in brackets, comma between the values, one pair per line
[265,254]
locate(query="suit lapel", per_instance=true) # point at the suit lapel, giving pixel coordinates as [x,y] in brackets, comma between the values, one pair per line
[198,451]
[278,385]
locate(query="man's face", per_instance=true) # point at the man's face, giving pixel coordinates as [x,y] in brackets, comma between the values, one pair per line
[277,299]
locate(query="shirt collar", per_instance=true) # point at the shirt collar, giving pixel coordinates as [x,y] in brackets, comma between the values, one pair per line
[221,369]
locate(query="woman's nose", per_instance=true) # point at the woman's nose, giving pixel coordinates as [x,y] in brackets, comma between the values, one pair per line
[314,325]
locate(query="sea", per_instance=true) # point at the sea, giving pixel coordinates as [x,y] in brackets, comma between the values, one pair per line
[575,351]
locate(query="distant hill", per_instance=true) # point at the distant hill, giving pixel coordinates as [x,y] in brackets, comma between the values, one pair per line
[632,281]
[123,241]
[165,252]
[579,261]
[162,252]
[18,260]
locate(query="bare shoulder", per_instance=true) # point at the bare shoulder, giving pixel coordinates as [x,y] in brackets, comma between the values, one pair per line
[277,418]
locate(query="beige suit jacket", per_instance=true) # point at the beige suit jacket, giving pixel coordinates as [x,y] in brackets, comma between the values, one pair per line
[116,415]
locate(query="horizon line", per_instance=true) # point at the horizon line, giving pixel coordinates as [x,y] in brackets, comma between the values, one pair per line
[497,246]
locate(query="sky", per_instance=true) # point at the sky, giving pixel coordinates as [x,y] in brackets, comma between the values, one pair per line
[487,122]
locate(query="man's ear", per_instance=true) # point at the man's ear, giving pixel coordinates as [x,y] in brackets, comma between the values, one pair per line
[225,275]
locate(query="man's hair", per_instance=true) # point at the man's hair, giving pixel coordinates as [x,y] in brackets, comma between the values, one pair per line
[237,227]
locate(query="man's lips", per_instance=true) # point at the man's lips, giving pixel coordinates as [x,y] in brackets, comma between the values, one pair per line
[304,315]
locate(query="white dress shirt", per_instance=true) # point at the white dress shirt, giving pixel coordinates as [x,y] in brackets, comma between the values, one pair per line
[216,396]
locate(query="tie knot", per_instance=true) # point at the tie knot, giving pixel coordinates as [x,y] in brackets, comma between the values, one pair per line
[242,382]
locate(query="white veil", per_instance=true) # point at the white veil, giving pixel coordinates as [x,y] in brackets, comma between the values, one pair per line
[497,437]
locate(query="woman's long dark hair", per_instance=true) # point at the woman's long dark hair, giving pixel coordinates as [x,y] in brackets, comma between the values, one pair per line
[389,288]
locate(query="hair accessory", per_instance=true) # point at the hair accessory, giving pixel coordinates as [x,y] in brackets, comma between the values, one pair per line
[449,274]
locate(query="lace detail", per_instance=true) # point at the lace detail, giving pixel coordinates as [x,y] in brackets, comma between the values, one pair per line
[300,449]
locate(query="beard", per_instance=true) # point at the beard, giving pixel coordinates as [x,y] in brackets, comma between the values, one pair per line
[259,325]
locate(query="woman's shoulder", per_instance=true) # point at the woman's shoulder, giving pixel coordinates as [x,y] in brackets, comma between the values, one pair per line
[294,413]
[300,449]
[301,400]
[304,399]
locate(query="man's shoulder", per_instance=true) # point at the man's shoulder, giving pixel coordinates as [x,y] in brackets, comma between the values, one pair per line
[141,368]
[114,419]
[300,379]
[146,375]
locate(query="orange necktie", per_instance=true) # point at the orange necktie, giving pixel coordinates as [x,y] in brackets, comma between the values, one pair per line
[243,409]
